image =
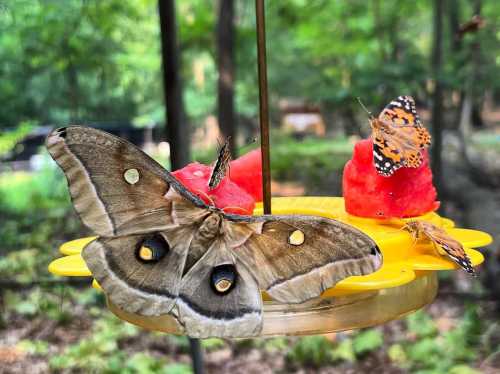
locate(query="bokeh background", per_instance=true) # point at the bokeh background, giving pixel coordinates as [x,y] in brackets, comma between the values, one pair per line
[100,63]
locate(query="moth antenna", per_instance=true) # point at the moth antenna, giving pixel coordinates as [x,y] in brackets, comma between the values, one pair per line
[364,107]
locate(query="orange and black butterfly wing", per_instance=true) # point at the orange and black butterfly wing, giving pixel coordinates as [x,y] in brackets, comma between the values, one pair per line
[387,155]
[452,247]
[400,137]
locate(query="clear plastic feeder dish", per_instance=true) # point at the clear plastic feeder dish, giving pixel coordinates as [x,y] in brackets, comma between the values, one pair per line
[406,282]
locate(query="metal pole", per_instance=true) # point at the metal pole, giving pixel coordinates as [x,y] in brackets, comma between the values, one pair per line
[196,356]
[263,103]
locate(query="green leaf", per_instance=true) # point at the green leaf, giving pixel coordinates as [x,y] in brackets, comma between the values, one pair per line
[463,369]
[344,351]
[177,369]
[367,341]
[397,354]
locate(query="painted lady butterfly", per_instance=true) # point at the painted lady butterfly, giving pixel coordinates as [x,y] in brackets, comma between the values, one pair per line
[443,243]
[398,137]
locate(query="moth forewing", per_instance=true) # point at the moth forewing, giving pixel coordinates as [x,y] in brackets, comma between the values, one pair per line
[221,166]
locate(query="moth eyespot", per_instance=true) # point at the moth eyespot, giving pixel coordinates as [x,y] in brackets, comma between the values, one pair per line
[223,278]
[296,238]
[152,249]
[131,176]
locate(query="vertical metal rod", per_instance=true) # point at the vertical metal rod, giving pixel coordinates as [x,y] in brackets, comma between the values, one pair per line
[196,356]
[263,103]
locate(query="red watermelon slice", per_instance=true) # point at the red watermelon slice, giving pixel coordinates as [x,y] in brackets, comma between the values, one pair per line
[227,195]
[408,192]
[246,172]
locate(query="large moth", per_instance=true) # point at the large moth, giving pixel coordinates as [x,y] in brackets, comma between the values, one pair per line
[162,250]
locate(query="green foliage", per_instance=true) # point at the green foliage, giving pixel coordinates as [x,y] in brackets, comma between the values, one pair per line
[78,60]
[275,344]
[367,341]
[318,351]
[9,139]
[344,351]
[37,347]
[19,265]
[313,350]
[99,351]
[435,352]
[213,344]
[421,324]
[291,157]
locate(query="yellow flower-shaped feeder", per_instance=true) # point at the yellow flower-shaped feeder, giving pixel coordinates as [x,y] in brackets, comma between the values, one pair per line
[406,282]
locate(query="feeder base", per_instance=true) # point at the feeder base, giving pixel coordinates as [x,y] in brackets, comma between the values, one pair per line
[325,314]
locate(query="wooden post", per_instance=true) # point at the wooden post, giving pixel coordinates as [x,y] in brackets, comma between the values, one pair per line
[225,64]
[177,128]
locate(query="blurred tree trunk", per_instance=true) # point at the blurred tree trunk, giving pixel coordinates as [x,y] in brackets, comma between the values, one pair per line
[177,127]
[225,62]
[437,98]
[453,12]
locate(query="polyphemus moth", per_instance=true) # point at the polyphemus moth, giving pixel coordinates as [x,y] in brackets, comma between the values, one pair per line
[162,250]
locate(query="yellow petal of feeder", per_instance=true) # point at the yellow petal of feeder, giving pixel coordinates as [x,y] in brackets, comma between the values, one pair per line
[70,266]
[406,282]
[74,247]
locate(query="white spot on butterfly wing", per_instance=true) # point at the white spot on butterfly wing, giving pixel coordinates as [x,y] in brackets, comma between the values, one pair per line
[131,176]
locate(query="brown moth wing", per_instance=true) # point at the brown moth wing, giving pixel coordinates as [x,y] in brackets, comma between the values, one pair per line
[134,285]
[115,187]
[204,312]
[296,258]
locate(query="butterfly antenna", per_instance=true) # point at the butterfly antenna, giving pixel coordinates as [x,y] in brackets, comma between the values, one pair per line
[364,107]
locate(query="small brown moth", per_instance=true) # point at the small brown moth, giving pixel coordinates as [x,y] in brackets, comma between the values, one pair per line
[162,250]
[443,243]
[221,165]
